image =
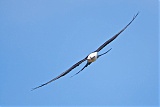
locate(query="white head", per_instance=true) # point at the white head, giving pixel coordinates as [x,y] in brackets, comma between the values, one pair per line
[92,57]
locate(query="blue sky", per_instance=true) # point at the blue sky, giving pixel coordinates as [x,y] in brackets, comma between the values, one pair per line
[39,39]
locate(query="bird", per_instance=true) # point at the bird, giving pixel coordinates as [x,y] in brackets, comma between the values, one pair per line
[89,58]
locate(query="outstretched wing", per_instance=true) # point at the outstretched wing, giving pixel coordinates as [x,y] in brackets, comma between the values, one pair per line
[111,39]
[63,74]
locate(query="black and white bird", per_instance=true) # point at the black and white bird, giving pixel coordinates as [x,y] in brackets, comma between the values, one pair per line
[90,58]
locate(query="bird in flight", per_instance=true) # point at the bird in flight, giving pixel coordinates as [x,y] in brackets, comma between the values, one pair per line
[90,58]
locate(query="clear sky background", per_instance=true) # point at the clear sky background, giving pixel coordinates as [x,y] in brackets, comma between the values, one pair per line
[39,39]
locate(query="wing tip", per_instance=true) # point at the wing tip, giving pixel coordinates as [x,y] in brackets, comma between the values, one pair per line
[37,87]
[136,15]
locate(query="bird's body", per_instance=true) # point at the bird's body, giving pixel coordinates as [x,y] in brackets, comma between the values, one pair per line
[90,58]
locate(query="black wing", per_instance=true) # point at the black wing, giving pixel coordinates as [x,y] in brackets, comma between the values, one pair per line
[63,74]
[111,39]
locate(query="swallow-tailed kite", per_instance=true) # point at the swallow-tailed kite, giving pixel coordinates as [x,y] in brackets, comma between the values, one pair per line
[90,58]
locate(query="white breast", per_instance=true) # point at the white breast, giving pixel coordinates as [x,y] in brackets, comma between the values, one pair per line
[92,57]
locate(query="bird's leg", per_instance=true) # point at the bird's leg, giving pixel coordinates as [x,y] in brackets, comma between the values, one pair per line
[104,53]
